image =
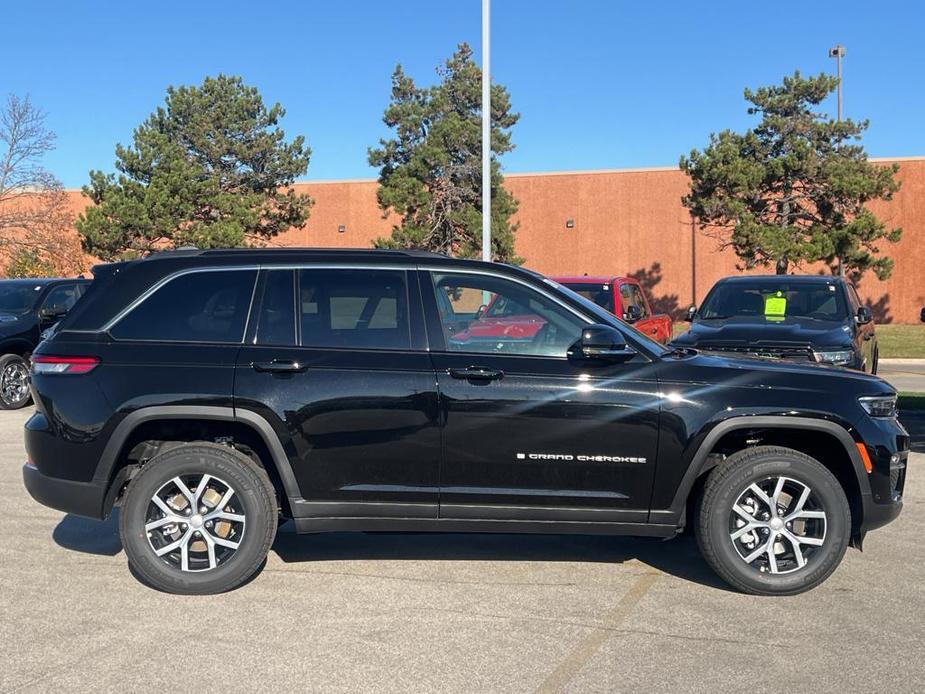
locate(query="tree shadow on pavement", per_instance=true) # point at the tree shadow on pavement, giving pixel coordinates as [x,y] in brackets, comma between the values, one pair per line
[679,557]
[89,536]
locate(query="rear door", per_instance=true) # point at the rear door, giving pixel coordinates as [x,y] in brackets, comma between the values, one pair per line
[335,361]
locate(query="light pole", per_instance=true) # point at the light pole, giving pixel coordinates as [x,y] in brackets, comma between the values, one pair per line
[838,52]
[486,130]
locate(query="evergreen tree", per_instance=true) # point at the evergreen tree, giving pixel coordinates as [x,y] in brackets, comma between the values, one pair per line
[794,189]
[211,168]
[431,171]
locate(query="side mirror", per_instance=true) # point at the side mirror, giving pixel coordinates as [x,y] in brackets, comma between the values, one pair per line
[52,312]
[632,314]
[922,315]
[864,315]
[605,343]
[691,312]
[481,311]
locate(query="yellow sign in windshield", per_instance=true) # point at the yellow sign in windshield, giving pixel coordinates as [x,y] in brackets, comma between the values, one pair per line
[775,305]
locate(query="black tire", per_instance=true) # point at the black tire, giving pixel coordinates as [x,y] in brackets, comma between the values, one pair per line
[14,382]
[730,481]
[253,498]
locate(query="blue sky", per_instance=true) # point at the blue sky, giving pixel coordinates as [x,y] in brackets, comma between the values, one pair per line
[599,84]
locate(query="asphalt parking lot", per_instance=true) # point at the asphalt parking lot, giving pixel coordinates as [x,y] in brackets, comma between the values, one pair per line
[905,375]
[457,613]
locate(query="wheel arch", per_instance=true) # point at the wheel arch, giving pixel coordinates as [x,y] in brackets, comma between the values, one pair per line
[113,468]
[805,434]
[19,347]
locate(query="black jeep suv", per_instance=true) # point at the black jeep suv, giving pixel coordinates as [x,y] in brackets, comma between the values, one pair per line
[209,393]
[810,318]
[27,308]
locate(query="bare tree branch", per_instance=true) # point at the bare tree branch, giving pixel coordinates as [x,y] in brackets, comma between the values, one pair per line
[35,214]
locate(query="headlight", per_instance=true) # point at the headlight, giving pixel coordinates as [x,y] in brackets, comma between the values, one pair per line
[834,356]
[879,405]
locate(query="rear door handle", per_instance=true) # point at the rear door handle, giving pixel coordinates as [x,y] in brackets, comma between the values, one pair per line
[477,373]
[279,366]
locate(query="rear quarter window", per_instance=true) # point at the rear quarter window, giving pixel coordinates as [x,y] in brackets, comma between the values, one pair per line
[200,306]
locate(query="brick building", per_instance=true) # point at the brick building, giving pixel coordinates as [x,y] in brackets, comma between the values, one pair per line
[627,221]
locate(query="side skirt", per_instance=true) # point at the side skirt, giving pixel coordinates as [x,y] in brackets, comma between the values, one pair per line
[470,525]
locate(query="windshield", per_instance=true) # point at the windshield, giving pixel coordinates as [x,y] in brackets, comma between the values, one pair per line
[774,300]
[18,297]
[608,318]
[600,294]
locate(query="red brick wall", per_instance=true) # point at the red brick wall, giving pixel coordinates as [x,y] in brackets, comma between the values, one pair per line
[626,222]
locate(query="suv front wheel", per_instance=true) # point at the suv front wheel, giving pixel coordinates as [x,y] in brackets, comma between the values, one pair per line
[198,519]
[773,521]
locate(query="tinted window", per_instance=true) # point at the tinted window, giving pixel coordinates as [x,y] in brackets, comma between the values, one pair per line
[774,300]
[276,321]
[600,294]
[62,297]
[18,298]
[196,307]
[354,308]
[538,326]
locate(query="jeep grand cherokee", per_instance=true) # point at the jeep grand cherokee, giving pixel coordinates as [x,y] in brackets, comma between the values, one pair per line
[209,393]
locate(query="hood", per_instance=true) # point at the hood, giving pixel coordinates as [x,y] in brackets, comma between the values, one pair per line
[752,331]
[11,321]
[767,373]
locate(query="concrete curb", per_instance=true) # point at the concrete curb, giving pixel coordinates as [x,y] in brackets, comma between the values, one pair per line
[902,362]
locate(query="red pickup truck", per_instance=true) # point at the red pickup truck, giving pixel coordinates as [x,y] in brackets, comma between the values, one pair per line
[623,297]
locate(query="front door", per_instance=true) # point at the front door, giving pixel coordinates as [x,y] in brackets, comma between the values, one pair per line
[335,362]
[530,433]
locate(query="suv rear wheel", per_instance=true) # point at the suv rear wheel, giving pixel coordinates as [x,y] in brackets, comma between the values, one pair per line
[14,382]
[198,519]
[773,521]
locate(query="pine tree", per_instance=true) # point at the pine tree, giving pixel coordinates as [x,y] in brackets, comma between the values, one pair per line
[793,190]
[211,168]
[430,170]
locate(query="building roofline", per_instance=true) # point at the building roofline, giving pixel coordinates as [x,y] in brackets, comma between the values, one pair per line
[575,172]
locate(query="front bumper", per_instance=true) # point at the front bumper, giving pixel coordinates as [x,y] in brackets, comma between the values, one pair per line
[80,498]
[888,445]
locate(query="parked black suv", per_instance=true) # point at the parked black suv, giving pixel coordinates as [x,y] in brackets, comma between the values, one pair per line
[811,318]
[210,392]
[27,307]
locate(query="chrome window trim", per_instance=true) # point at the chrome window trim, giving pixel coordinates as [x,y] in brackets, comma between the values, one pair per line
[405,267]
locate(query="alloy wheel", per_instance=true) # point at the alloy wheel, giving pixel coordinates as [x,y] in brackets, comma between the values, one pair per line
[14,383]
[195,522]
[777,524]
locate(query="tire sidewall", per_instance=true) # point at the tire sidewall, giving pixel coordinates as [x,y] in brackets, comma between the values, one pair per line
[252,494]
[827,491]
[5,361]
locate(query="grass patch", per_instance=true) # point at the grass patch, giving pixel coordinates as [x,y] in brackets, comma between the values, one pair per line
[911,402]
[901,341]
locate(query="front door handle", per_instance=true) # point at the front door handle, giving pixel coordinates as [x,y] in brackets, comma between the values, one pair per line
[476,373]
[279,366]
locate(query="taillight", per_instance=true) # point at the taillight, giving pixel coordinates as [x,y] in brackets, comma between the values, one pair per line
[45,364]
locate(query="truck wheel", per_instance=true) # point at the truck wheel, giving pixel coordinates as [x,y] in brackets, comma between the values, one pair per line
[773,521]
[198,519]
[14,382]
